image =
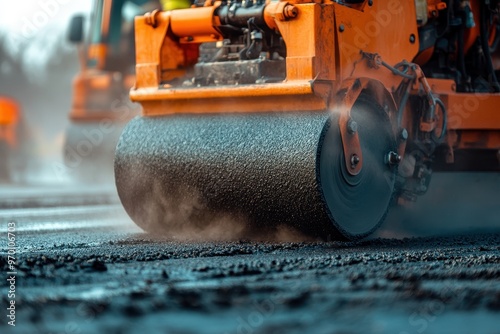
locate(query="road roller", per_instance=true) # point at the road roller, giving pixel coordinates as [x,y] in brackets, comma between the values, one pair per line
[314,115]
[101,106]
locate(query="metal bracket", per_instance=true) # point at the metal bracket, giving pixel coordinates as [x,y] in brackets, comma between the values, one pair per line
[353,156]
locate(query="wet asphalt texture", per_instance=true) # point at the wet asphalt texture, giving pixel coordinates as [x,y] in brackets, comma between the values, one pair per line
[103,275]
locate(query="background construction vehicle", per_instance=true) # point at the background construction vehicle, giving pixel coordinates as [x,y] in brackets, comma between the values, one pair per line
[14,142]
[317,116]
[101,106]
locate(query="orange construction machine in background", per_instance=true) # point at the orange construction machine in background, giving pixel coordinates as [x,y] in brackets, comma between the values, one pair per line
[13,138]
[318,115]
[101,106]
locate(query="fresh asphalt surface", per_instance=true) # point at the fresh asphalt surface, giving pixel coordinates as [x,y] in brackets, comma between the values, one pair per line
[84,267]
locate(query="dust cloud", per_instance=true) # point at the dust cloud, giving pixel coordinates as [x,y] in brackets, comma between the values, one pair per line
[456,202]
[181,214]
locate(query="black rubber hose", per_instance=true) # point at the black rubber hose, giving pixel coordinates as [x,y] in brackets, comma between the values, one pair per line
[402,104]
[486,48]
[461,55]
[441,105]
[395,71]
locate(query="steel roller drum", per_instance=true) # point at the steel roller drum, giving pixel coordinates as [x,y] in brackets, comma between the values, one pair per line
[262,169]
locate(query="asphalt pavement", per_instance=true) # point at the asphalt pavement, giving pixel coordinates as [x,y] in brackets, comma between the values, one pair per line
[81,266]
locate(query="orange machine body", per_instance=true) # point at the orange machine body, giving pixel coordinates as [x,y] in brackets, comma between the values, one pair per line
[334,51]
[312,61]
[100,89]
[9,121]
[99,95]
[323,41]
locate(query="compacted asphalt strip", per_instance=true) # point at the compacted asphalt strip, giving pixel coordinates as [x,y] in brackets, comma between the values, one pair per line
[89,269]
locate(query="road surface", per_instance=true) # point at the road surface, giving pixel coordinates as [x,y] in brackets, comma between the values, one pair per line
[83,267]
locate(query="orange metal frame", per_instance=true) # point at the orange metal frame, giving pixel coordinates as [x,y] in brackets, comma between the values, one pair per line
[323,42]
[165,51]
